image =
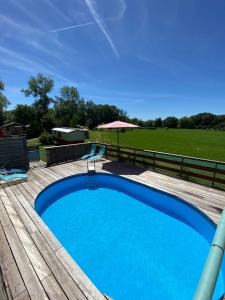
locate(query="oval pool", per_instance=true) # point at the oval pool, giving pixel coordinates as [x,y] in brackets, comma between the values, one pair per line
[133,242]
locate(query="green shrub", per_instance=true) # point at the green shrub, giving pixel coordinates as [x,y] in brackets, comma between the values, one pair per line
[46,138]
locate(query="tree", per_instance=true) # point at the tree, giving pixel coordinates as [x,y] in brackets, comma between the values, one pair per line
[49,120]
[81,113]
[4,102]
[140,123]
[134,121]
[149,124]
[158,123]
[170,122]
[66,106]
[24,114]
[109,113]
[220,122]
[74,121]
[92,114]
[203,120]
[8,116]
[90,124]
[70,93]
[39,87]
[184,122]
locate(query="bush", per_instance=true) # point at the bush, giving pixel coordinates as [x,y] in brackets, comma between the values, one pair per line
[46,138]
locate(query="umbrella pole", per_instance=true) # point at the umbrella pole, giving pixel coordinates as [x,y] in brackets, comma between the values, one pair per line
[118,141]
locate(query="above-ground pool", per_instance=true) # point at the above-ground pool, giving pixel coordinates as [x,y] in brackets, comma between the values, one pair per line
[132,241]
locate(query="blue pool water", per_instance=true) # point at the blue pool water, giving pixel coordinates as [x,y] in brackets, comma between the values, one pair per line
[133,242]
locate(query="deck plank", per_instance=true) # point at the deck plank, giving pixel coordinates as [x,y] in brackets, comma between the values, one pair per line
[27,272]
[23,296]
[53,289]
[42,227]
[78,275]
[62,276]
[32,253]
[31,227]
[13,277]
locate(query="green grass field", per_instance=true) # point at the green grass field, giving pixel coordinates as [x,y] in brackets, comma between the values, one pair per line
[207,144]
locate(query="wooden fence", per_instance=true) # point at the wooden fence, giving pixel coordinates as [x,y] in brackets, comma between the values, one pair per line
[66,153]
[206,172]
[13,152]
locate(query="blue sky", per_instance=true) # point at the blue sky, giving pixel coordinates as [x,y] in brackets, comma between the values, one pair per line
[150,57]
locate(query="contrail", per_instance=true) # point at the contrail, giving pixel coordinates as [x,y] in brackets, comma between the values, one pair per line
[72,27]
[99,22]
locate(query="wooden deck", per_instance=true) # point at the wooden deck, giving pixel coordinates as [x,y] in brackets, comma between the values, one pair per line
[33,263]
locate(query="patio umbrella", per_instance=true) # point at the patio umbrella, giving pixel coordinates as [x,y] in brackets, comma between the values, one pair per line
[117,125]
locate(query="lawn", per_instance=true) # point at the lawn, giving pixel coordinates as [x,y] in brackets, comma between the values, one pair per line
[209,144]
[34,142]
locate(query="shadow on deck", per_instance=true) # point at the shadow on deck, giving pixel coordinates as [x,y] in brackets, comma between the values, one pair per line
[118,168]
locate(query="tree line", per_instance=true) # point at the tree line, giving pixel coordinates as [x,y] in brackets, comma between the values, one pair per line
[199,121]
[69,109]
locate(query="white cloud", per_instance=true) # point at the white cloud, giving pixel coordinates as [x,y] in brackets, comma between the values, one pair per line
[58,11]
[91,7]
[28,13]
[17,61]
[31,36]
[122,9]
[72,27]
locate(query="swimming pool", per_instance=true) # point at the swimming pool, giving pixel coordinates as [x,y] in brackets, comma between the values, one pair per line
[133,242]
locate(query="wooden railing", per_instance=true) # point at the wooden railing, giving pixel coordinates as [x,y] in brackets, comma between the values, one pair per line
[66,153]
[206,172]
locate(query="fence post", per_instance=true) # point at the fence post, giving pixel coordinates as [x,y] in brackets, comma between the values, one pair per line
[106,151]
[181,167]
[153,165]
[48,158]
[214,175]
[134,158]
[73,153]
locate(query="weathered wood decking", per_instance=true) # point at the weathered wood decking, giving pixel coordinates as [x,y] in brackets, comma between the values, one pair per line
[33,263]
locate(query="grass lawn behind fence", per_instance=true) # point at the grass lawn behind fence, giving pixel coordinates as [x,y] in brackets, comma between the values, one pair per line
[34,142]
[208,144]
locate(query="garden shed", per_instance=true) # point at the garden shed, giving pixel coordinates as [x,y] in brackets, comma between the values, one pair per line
[65,135]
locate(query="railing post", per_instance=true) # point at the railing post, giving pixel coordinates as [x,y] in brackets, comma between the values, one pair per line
[118,152]
[181,167]
[48,158]
[74,153]
[154,157]
[214,175]
[134,158]
[106,152]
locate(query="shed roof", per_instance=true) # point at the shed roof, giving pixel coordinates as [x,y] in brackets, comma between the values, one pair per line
[15,124]
[67,130]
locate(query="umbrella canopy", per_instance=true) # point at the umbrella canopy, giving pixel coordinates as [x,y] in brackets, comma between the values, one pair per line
[117,125]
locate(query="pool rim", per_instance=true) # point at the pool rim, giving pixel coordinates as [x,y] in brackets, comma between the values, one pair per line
[132,181]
